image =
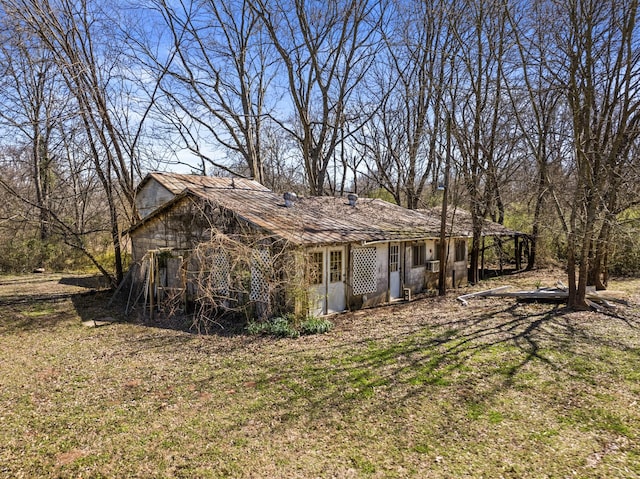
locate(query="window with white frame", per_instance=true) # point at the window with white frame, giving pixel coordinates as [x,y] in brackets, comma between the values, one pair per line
[335,266]
[394,258]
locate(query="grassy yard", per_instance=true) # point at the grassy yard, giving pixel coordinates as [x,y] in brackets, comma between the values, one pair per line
[429,389]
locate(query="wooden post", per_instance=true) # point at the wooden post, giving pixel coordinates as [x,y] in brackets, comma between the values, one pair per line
[517,252]
[482,260]
[442,246]
[152,282]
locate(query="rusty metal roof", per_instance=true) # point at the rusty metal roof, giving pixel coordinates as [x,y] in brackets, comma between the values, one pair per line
[177,183]
[325,220]
[311,220]
[463,223]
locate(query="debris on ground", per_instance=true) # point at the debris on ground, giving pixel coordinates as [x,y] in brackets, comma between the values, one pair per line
[96,323]
[597,300]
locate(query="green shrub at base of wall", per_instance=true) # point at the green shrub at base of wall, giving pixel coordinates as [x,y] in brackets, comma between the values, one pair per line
[288,326]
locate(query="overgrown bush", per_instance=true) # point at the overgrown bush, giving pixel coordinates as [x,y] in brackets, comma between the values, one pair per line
[549,245]
[624,259]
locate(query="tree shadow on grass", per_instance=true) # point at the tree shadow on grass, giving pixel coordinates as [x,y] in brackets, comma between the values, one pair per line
[43,302]
[93,306]
[95,282]
[462,357]
[41,311]
[186,322]
[471,355]
[471,358]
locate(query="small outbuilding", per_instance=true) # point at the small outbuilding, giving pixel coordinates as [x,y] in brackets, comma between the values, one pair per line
[275,253]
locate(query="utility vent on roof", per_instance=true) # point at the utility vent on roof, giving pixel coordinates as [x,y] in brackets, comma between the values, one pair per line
[289,199]
[353,199]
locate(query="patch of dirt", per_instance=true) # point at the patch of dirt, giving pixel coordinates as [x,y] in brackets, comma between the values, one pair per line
[68,457]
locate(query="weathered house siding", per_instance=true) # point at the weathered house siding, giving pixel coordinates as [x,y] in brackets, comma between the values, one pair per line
[182,227]
[152,197]
[414,275]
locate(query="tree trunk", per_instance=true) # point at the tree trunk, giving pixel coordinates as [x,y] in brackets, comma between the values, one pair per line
[572,300]
[597,270]
[475,249]
[535,228]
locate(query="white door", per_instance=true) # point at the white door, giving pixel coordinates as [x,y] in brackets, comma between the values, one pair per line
[336,290]
[327,289]
[394,271]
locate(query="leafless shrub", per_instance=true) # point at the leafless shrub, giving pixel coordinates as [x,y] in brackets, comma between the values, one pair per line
[248,275]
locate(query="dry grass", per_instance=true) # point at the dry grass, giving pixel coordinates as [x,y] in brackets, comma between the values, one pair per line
[427,389]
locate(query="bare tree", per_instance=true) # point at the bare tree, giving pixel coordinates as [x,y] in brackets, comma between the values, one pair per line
[216,79]
[282,172]
[48,181]
[539,111]
[80,40]
[326,49]
[598,67]
[480,123]
[405,136]
[32,113]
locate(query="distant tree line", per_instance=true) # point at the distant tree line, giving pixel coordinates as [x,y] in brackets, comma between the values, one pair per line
[535,105]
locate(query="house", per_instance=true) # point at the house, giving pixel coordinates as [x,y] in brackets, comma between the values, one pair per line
[317,254]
